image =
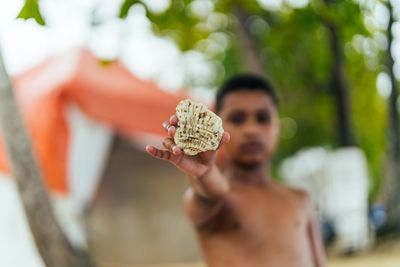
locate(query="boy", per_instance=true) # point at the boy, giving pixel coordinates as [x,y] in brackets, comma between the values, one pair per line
[242,218]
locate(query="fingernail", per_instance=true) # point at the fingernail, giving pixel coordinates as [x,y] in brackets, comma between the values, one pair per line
[166,125]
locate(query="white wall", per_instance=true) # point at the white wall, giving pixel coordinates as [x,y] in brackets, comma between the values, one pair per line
[337,181]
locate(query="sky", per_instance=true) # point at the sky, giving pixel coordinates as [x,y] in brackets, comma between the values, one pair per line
[25,44]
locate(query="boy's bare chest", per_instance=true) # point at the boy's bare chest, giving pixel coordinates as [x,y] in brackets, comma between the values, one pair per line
[268,228]
[261,213]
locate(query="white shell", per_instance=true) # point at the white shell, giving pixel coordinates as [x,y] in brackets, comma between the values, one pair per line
[199,129]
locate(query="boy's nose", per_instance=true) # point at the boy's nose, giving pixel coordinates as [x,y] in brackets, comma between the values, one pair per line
[251,128]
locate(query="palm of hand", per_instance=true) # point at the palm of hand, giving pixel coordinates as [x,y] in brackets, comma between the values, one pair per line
[194,166]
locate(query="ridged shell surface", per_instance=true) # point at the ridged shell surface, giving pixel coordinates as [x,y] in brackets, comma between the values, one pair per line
[199,129]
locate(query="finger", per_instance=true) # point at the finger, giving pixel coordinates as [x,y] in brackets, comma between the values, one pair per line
[169,144]
[158,153]
[171,131]
[176,150]
[225,138]
[173,120]
[166,125]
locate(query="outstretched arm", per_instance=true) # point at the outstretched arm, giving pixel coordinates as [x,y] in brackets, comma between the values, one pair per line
[204,199]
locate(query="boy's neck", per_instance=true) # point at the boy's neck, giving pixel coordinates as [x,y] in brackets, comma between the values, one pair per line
[256,174]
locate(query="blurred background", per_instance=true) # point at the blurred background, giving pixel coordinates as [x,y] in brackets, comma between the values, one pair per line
[95,79]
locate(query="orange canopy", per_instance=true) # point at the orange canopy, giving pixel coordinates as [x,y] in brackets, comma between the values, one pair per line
[106,93]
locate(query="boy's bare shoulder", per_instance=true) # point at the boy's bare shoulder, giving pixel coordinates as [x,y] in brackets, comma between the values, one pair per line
[295,193]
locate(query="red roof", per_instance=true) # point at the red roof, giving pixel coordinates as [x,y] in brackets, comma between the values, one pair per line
[108,93]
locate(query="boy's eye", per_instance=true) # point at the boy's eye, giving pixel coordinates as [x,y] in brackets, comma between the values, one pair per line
[237,119]
[263,117]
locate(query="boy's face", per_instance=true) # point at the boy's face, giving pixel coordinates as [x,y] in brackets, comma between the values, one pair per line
[251,119]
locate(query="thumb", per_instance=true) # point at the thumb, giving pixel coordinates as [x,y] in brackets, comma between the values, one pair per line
[226,137]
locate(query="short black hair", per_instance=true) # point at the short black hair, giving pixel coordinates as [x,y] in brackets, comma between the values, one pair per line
[246,81]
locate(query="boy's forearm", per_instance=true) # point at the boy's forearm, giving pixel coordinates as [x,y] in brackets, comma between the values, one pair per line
[212,185]
[204,200]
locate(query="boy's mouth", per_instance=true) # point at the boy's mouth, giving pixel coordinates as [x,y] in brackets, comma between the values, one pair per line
[251,147]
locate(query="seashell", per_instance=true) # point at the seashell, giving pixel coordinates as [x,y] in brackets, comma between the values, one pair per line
[198,130]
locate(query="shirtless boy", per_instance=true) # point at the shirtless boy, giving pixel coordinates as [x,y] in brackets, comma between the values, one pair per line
[241,216]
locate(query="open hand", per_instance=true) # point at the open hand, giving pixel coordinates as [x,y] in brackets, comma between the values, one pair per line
[194,166]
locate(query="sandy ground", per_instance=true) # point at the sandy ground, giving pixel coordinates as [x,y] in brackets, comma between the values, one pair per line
[353,262]
[386,255]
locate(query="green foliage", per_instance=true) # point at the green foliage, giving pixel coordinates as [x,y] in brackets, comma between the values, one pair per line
[179,24]
[299,60]
[126,5]
[186,27]
[294,46]
[30,10]
[231,62]
[369,118]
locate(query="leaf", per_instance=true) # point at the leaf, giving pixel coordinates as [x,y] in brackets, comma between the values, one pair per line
[106,62]
[123,12]
[31,10]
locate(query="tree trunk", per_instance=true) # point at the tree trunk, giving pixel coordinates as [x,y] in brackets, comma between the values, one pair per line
[339,87]
[52,245]
[249,48]
[393,183]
